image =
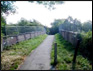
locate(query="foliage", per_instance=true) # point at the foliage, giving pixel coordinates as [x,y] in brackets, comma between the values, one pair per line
[14,55]
[49,4]
[86,45]
[3,23]
[65,53]
[55,26]
[24,26]
[87,26]
[47,29]
[24,22]
[71,24]
[7,7]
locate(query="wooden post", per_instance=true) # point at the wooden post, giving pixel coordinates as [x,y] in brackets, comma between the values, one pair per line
[55,53]
[75,54]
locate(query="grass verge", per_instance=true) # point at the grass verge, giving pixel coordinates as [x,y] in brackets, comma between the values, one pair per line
[65,53]
[15,54]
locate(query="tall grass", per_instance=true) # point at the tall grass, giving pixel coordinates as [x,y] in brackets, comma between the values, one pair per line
[65,53]
[14,55]
[86,45]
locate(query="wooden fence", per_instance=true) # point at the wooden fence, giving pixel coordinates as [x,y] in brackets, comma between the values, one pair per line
[10,40]
[69,36]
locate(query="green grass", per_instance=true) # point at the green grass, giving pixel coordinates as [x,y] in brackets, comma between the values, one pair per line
[14,55]
[65,53]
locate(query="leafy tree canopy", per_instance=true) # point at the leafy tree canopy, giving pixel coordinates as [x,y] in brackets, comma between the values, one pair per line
[7,7]
[24,22]
[49,4]
[87,26]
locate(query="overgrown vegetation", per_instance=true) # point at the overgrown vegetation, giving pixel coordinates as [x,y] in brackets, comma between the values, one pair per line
[65,53]
[3,23]
[86,45]
[55,26]
[23,26]
[70,24]
[13,56]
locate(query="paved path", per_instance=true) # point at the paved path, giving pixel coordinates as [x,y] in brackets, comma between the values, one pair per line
[39,59]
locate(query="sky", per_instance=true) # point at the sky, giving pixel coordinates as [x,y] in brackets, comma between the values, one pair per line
[82,10]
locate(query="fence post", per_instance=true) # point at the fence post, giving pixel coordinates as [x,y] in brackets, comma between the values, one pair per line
[55,53]
[75,54]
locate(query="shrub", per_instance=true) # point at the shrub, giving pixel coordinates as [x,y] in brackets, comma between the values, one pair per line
[86,45]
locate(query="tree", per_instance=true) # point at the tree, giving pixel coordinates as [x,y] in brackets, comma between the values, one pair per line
[24,22]
[78,25]
[7,7]
[24,26]
[55,26]
[3,23]
[71,24]
[49,4]
[75,25]
[87,26]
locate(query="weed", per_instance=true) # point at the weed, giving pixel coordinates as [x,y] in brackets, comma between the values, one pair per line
[65,53]
[13,57]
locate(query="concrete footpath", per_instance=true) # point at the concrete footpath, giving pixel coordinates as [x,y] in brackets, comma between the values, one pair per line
[39,59]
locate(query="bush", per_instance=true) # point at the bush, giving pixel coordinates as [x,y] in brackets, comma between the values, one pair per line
[65,53]
[86,45]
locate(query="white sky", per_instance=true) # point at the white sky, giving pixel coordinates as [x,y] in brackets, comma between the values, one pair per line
[82,10]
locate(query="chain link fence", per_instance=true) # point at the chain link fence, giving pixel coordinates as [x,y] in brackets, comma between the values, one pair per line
[17,30]
[71,27]
[15,34]
[70,32]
